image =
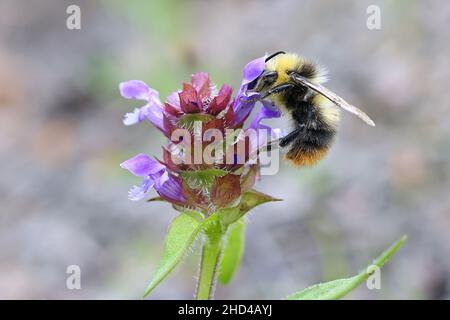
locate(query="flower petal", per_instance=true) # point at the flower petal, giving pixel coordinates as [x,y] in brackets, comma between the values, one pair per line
[170,188]
[253,69]
[202,84]
[174,100]
[134,117]
[142,165]
[189,99]
[268,111]
[245,101]
[134,89]
[244,105]
[153,110]
[221,101]
[163,178]
[264,133]
[241,105]
[154,113]
[137,193]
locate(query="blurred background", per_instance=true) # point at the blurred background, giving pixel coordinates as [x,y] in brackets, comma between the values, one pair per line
[63,196]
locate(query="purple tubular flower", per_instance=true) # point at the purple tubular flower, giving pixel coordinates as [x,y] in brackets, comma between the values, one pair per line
[142,165]
[245,101]
[155,175]
[268,111]
[253,70]
[182,182]
[153,110]
[174,100]
[170,188]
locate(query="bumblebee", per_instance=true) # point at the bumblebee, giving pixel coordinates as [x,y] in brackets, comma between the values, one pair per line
[295,85]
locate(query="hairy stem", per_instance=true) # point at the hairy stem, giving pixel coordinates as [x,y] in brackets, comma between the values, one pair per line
[210,259]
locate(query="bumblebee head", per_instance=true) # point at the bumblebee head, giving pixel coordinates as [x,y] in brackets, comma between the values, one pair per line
[267,78]
[284,65]
[289,73]
[280,66]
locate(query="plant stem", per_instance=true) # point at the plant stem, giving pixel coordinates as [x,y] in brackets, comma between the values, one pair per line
[210,259]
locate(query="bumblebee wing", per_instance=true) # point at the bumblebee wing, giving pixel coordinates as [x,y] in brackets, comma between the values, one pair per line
[330,95]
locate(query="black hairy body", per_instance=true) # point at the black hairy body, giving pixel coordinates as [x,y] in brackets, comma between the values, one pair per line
[312,135]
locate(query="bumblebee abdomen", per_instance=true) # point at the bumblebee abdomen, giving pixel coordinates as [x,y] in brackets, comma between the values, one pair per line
[314,117]
[310,145]
[306,158]
[315,123]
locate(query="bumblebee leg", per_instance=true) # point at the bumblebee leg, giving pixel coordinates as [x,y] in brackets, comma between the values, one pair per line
[287,139]
[277,89]
[284,141]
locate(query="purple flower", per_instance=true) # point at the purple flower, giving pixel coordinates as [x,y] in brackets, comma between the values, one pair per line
[245,101]
[155,175]
[268,110]
[187,183]
[153,110]
[253,70]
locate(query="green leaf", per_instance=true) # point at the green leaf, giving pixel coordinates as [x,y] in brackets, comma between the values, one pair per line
[179,238]
[337,289]
[183,230]
[229,215]
[233,251]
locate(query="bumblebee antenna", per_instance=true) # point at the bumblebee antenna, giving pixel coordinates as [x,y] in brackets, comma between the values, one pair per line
[274,55]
